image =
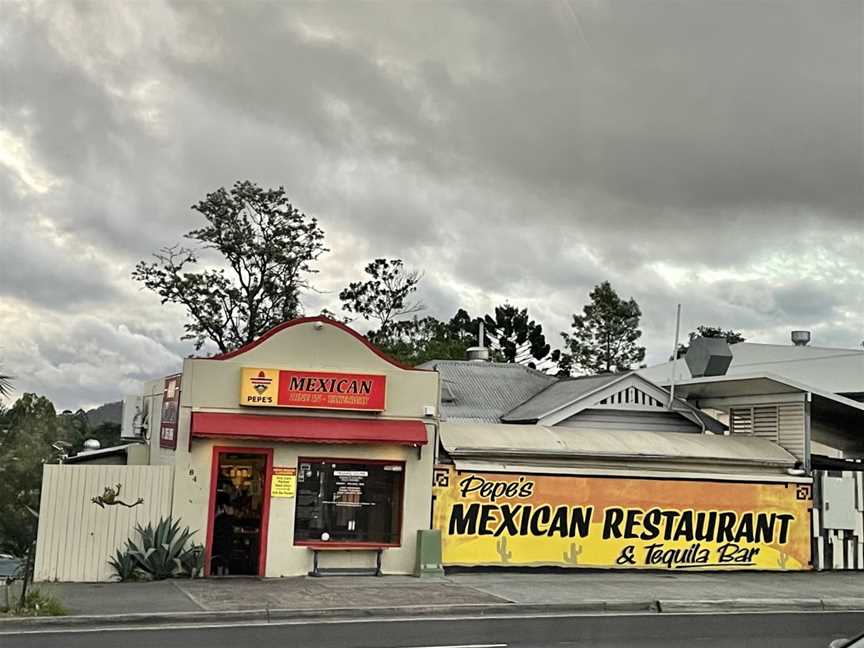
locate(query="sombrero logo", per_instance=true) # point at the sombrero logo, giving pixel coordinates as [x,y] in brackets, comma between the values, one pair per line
[260,386]
[261,382]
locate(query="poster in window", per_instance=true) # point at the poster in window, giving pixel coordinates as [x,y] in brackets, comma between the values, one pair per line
[170,413]
[283,482]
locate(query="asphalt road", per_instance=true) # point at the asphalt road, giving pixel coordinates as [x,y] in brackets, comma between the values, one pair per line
[788,630]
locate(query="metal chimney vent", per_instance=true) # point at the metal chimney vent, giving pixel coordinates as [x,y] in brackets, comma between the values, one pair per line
[800,338]
[481,354]
[708,357]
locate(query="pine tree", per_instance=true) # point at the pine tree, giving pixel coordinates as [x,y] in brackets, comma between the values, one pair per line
[517,337]
[604,337]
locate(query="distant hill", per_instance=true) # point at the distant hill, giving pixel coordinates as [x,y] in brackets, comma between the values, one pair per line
[107,413]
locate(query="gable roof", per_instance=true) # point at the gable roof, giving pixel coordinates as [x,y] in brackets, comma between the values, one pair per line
[556,395]
[626,391]
[484,391]
[836,370]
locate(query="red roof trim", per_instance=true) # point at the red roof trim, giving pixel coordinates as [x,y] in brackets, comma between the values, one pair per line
[307,320]
[308,429]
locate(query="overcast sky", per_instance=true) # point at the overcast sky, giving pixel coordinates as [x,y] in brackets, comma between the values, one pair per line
[708,153]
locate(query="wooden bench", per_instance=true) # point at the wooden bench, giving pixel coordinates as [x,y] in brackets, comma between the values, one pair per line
[317,571]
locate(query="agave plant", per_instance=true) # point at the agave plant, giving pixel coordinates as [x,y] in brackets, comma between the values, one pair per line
[125,566]
[164,551]
[193,561]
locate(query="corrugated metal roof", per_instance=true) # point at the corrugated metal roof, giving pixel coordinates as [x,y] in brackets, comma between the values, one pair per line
[85,455]
[556,395]
[497,441]
[483,391]
[831,369]
[726,473]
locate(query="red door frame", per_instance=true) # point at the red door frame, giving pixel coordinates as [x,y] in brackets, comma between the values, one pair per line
[265,504]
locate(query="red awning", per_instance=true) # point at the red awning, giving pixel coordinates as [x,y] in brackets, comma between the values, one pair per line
[307,429]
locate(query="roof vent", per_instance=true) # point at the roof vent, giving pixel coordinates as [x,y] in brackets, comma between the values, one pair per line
[800,338]
[447,393]
[708,357]
[479,353]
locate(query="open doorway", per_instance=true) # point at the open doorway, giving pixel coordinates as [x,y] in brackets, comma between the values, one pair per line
[239,508]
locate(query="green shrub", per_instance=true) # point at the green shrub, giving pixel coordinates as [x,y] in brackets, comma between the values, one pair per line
[125,566]
[163,551]
[37,603]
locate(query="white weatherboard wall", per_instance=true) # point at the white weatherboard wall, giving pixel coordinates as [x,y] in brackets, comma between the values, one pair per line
[77,537]
[782,423]
[838,519]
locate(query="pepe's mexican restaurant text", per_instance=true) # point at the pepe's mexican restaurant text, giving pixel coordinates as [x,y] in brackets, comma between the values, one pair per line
[730,529]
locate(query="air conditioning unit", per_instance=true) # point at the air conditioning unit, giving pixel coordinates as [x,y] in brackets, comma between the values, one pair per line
[134,425]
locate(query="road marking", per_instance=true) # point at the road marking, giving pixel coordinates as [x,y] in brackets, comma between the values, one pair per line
[463,646]
[485,617]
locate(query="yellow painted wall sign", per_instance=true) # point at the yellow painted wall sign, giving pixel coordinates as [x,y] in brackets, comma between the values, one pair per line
[511,519]
[312,389]
[283,482]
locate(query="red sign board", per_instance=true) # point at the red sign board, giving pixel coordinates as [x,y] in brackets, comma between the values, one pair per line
[170,413]
[313,389]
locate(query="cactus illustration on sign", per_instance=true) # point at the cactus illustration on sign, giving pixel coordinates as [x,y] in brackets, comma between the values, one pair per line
[572,557]
[501,545]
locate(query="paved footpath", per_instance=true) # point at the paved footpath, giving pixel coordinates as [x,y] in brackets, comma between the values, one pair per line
[570,587]
[590,589]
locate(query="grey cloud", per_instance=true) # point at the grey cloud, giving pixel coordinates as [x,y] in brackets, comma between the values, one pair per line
[83,361]
[512,151]
[807,303]
[36,269]
[712,104]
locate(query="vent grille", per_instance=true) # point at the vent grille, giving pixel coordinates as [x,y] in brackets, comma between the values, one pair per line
[784,424]
[761,421]
[631,396]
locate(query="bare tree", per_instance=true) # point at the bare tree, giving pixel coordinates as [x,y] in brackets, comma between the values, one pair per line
[385,296]
[269,248]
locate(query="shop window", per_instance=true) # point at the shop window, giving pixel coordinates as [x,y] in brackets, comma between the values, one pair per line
[348,501]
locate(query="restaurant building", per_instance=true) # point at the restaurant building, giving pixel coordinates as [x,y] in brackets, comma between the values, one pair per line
[306,449]
[810,401]
[310,450]
[607,471]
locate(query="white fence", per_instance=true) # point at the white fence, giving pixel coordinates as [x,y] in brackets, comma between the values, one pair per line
[76,536]
[838,519]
